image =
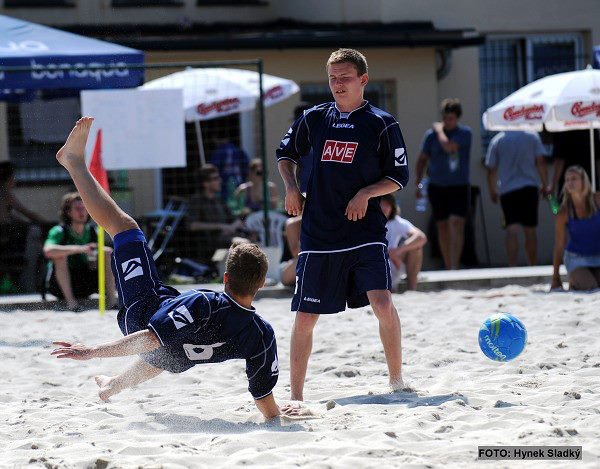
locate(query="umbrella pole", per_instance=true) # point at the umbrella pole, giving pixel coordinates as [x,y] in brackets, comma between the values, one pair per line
[593,157]
[200,143]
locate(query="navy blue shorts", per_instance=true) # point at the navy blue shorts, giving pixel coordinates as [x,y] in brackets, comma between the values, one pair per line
[326,282]
[141,293]
[449,200]
[520,207]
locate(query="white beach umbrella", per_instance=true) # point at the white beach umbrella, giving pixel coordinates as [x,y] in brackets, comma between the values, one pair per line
[209,93]
[565,101]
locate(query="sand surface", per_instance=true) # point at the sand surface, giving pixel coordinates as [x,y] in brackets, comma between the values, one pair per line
[550,395]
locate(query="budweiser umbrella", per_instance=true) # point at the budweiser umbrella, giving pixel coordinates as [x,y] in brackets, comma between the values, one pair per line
[565,101]
[209,93]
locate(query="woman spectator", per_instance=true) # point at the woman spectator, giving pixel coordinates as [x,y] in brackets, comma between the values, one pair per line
[579,216]
[250,193]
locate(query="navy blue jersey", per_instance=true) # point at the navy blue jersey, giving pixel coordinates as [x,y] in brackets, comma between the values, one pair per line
[202,326]
[350,151]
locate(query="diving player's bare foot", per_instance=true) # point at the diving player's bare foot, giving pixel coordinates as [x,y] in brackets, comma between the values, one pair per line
[73,151]
[105,383]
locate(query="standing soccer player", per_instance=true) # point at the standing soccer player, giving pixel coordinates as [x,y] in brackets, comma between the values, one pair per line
[358,155]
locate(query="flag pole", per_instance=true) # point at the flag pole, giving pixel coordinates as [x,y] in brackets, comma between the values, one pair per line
[101,272]
[99,173]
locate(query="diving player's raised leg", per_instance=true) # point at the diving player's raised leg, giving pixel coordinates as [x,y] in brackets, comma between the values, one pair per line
[98,203]
[139,372]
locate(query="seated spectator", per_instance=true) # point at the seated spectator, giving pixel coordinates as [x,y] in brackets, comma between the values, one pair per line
[71,248]
[210,218]
[231,163]
[250,193]
[579,216]
[22,236]
[292,239]
[405,244]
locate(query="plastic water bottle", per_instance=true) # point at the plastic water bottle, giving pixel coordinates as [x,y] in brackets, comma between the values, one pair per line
[454,162]
[554,204]
[421,202]
[232,201]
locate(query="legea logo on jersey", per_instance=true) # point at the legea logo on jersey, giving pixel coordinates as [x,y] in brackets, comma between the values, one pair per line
[286,138]
[340,152]
[400,157]
[181,317]
[132,268]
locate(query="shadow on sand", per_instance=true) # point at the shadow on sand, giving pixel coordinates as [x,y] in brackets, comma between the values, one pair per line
[26,343]
[189,424]
[407,398]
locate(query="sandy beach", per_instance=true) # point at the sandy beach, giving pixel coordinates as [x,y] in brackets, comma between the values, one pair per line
[550,395]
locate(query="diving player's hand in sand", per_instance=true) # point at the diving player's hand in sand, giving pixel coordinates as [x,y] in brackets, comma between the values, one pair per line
[296,411]
[73,351]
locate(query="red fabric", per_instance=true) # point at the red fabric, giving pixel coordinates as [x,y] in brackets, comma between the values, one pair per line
[96,166]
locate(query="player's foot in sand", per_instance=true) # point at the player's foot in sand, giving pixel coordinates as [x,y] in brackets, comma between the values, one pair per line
[105,383]
[397,384]
[73,151]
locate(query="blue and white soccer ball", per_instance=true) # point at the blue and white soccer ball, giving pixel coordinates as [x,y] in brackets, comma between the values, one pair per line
[502,337]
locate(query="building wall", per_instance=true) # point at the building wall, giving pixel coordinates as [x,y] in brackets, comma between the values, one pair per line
[102,12]
[411,72]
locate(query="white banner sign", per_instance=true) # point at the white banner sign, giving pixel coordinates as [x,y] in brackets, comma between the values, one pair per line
[141,129]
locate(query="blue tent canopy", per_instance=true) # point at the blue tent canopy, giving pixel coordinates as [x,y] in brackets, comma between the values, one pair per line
[597,57]
[62,60]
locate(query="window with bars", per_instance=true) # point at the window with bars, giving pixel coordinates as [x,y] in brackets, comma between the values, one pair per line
[38,3]
[320,93]
[215,3]
[36,131]
[508,63]
[147,3]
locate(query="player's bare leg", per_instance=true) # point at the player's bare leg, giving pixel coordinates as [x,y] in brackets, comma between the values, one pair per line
[390,333]
[98,203]
[300,349]
[139,372]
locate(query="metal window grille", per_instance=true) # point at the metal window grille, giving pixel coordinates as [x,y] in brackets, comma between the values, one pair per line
[508,63]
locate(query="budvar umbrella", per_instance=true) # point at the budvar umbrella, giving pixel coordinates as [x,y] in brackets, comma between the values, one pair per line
[209,93]
[565,101]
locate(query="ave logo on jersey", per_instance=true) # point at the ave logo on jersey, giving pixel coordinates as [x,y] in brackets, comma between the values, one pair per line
[200,352]
[132,268]
[400,157]
[340,152]
[181,317]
